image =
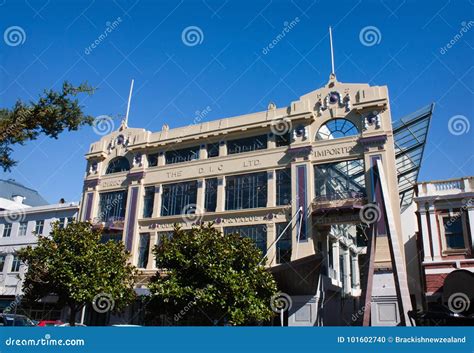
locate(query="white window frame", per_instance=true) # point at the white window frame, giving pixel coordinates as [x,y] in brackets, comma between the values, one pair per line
[451,214]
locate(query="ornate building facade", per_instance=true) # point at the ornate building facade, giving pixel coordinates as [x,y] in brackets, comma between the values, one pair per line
[298,180]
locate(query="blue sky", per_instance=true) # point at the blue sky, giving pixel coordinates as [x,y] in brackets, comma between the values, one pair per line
[229,71]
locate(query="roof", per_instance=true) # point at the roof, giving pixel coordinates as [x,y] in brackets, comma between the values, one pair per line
[10,188]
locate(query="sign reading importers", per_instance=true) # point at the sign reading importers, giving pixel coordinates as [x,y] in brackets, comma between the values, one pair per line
[336,151]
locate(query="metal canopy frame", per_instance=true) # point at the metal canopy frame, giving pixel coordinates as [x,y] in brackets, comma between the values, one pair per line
[410,135]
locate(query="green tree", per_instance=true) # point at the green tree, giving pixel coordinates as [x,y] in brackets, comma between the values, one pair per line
[54,112]
[73,264]
[210,278]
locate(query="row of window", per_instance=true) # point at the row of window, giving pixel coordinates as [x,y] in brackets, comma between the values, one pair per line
[38,227]
[257,233]
[333,129]
[15,266]
[333,181]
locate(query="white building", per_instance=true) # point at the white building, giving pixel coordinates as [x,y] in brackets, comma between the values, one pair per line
[20,228]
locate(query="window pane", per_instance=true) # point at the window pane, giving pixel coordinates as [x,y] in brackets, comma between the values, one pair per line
[453,232]
[182,155]
[283,140]
[39,227]
[143,250]
[210,199]
[283,246]
[283,187]
[7,230]
[176,197]
[2,262]
[152,160]
[336,128]
[148,201]
[22,229]
[341,180]
[212,150]
[112,206]
[117,165]
[16,264]
[247,144]
[62,222]
[258,233]
[246,191]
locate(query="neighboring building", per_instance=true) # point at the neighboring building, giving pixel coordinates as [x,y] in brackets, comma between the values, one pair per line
[445,211]
[18,229]
[252,174]
[14,196]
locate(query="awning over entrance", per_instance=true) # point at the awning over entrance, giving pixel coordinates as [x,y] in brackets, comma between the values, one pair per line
[299,277]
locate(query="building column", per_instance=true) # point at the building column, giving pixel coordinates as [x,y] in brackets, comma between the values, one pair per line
[220,194]
[271,189]
[470,216]
[435,236]
[200,196]
[335,259]
[355,272]
[347,271]
[425,233]
[202,152]
[271,236]
[157,201]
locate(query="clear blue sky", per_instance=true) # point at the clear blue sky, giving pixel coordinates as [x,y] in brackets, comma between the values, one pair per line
[228,71]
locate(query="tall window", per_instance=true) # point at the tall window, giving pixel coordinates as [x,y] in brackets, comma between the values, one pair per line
[336,128]
[62,222]
[2,261]
[148,201]
[283,140]
[182,155]
[246,191]
[453,233]
[39,227]
[258,234]
[7,230]
[69,220]
[152,159]
[117,165]
[283,246]
[283,187]
[212,150]
[176,197]
[16,263]
[247,144]
[112,206]
[335,181]
[210,196]
[143,250]
[22,228]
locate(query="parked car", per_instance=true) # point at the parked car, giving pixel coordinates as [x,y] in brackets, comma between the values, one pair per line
[77,324]
[15,320]
[44,323]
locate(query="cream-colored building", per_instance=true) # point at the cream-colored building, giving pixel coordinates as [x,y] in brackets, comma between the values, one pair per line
[295,179]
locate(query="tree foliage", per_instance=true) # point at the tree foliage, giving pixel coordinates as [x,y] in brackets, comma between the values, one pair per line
[54,112]
[76,266]
[211,279]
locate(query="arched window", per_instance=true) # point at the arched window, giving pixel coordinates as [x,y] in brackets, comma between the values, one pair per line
[336,128]
[117,165]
